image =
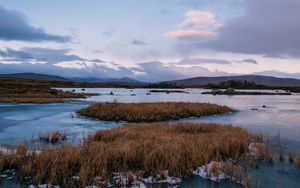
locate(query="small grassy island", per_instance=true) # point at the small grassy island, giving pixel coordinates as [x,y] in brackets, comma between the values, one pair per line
[151,112]
[167,91]
[231,91]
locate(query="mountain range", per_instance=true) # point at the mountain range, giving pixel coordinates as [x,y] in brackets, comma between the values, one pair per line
[46,77]
[190,82]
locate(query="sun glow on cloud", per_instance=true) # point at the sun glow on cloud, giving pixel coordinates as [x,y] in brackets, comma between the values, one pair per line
[198,24]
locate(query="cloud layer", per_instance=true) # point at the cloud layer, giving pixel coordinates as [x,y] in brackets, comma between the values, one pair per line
[47,55]
[270,28]
[62,62]
[14,26]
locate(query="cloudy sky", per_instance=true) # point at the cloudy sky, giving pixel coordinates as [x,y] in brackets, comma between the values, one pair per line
[150,40]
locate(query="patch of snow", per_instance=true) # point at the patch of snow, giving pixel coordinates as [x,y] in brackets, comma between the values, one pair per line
[213,171]
[3,175]
[122,180]
[166,179]
[43,186]
[5,150]
[254,148]
[205,171]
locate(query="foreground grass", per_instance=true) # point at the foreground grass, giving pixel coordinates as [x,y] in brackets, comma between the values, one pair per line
[21,91]
[143,149]
[151,112]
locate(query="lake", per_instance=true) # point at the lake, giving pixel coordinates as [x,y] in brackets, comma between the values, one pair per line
[280,114]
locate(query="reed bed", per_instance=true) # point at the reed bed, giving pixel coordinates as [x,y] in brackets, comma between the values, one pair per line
[143,149]
[151,112]
[40,96]
[22,91]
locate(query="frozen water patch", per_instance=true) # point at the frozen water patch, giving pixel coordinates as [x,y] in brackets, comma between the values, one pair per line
[162,179]
[43,186]
[211,171]
[214,172]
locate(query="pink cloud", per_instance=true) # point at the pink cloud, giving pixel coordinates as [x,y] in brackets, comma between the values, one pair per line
[190,34]
[197,24]
[199,20]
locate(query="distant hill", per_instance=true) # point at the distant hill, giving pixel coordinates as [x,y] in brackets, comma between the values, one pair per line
[34,76]
[107,80]
[259,80]
[46,77]
[269,81]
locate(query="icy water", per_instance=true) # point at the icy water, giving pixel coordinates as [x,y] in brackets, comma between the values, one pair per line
[281,114]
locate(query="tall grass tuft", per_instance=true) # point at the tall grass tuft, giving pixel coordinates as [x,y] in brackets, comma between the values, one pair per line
[297,161]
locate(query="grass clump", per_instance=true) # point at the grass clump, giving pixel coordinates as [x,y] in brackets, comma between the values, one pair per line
[53,138]
[2,158]
[297,161]
[144,149]
[151,112]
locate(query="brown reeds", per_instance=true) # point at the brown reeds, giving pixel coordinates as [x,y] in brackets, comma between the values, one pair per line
[281,154]
[269,154]
[296,161]
[22,91]
[151,112]
[2,158]
[136,148]
[292,155]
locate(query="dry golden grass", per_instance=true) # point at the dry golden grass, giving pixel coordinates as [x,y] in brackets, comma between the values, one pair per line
[2,158]
[22,91]
[151,112]
[41,97]
[281,154]
[269,154]
[150,148]
[31,100]
[296,161]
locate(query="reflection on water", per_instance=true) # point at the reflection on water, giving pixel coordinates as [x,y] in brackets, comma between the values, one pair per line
[281,113]
[27,121]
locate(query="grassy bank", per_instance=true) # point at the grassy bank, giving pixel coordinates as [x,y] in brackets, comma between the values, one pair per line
[22,91]
[141,149]
[151,112]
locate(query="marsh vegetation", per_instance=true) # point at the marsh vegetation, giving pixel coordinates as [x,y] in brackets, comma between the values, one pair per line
[141,149]
[26,91]
[151,112]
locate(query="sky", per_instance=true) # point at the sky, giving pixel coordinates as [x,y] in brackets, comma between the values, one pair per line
[150,40]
